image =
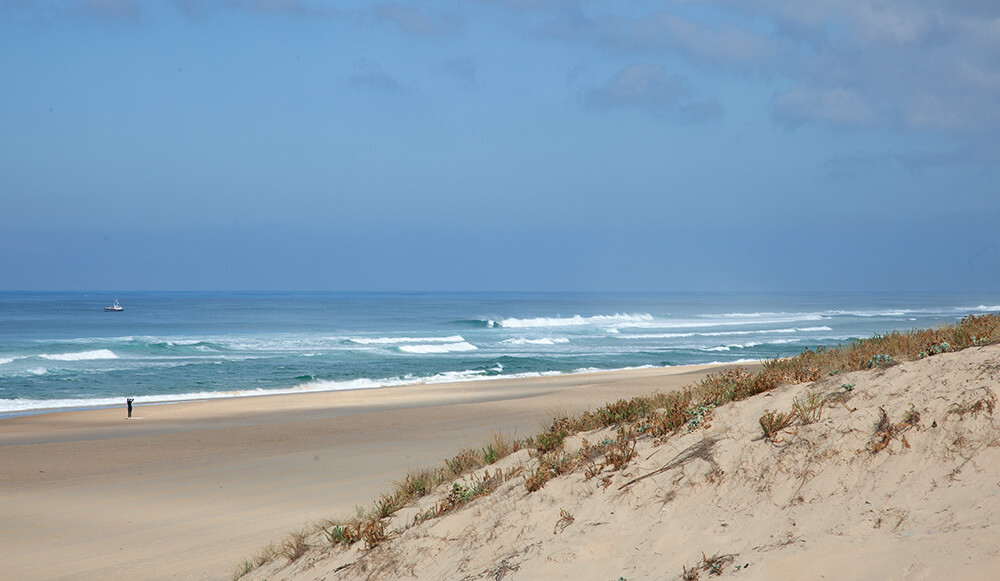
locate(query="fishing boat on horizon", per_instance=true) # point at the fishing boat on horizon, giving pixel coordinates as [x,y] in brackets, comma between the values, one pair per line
[115,307]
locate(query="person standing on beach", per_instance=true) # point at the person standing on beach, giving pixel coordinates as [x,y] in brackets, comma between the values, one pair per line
[128,402]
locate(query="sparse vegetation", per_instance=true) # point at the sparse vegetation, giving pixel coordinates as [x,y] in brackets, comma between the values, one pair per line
[294,546]
[772,422]
[810,409]
[565,519]
[886,431]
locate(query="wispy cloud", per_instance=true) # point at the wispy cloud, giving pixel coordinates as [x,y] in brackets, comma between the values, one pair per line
[917,66]
[100,10]
[925,66]
[124,9]
[837,106]
[463,68]
[369,75]
[665,32]
[650,88]
[415,21]
[295,8]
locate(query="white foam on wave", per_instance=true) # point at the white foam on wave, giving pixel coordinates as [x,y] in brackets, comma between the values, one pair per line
[765,317]
[882,313]
[543,341]
[574,321]
[19,405]
[723,333]
[438,348]
[81,356]
[725,320]
[404,340]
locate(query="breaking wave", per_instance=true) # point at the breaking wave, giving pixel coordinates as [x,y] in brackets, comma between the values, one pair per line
[81,356]
[574,321]
[544,341]
[438,348]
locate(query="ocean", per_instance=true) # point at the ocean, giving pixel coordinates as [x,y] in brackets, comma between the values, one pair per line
[62,350]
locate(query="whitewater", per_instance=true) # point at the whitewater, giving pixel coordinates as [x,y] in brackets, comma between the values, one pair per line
[61,350]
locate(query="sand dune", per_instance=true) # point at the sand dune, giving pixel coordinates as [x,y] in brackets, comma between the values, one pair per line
[897,478]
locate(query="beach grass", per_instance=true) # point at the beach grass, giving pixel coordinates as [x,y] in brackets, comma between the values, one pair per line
[658,416]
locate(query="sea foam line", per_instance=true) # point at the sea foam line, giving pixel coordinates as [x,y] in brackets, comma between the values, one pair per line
[399,340]
[722,333]
[23,405]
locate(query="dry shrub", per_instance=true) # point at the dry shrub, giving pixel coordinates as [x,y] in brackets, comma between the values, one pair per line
[417,484]
[773,422]
[499,449]
[806,374]
[373,531]
[883,350]
[549,466]
[886,431]
[810,409]
[342,534]
[590,451]
[672,415]
[464,492]
[715,564]
[463,462]
[266,555]
[294,546]
[987,401]
[242,568]
[388,504]
[623,412]
[621,451]
[565,519]
[726,386]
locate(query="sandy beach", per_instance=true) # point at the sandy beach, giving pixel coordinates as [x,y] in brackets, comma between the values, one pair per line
[185,491]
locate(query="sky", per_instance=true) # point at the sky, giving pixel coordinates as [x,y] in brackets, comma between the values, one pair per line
[524,145]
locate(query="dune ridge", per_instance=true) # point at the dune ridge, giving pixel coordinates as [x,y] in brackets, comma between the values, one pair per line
[890,472]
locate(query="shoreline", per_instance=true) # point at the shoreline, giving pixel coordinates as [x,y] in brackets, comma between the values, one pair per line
[195,397]
[189,489]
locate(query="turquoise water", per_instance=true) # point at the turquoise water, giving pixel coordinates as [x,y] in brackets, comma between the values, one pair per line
[60,350]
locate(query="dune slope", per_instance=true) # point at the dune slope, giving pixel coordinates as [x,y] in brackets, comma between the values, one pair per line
[891,473]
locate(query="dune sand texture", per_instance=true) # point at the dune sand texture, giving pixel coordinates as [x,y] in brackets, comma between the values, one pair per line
[185,491]
[898,477]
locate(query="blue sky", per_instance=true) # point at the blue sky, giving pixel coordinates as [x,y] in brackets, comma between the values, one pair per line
[500,145]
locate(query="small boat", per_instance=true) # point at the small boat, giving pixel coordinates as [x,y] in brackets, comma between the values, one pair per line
[115,307]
